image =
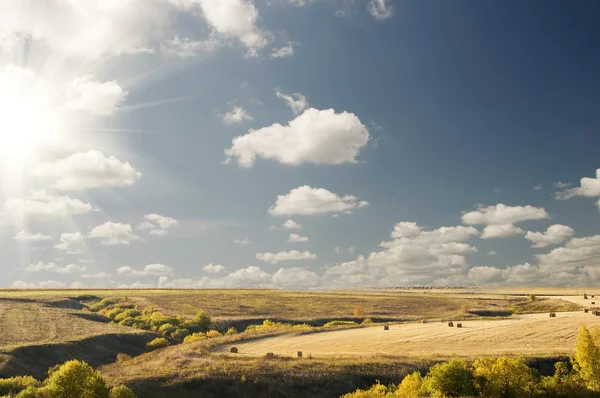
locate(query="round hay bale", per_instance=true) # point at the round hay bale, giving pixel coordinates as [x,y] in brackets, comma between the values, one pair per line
[299,354]
[586,310]
[450,324]
[270,355]
[233,350]
[386,327]
[459,325]
[593,302]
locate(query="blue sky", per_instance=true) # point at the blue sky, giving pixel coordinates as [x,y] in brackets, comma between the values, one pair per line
[166,142]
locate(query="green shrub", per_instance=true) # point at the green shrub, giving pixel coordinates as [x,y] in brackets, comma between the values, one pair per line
[166,329]
[131,313]
[531,297]
[121,392]
[411,386]
[105,302]
[213,333]
[203,321]
[75,379]
[507,377]
[15,384]
[377,391]
[195,337]
[367,321]
[339,323]
[192,326]
[113,312]
[127,322]
[158,342]
[29,392]
[268,326]
[180,334]
[450,379]
[231,331]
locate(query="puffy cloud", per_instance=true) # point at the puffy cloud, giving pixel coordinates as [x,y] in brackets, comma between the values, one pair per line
[315,136]
[135,285]
[236,116]
[42,205]
[589,187]
[501,231]
[485,275]
[90,169]
[502,214]
[72,243]
[308,201]
[295,238]
[150,269]
[292,255]
[295,278]
[380,9]
[102,99]
[560,184]
[213,268]
[157,224]
[554,234]
[235,19]
[296,101]
[112,233]
[283,52]
[51,284]
[185,47]
[52,267]
[98,275]
[26,236]
[244,241]
[245,277]
[406,230]
[291,224]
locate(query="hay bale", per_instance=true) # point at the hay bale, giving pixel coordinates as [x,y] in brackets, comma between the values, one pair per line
[233,350]
[592,296]
[459,325]
[593,302]
[386,327]
[586,310]
[585,296]
[552,315]
[450,324]
[270,355]
[299,354]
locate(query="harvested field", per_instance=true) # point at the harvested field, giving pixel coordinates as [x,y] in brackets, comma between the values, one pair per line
[523,335]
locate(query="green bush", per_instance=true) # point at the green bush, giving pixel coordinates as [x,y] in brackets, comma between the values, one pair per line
[131,313]
[105,302]
[195,337]
[213,333]
[127,322]
[180,334]
[16,384]
[203,321]
[411,386]
[29,392]
[231,331]
[192,326]
[506,377]
[121,392]
[75,379]
[450,379]
[268,326]
[339,323]
[166,329]
[113,312]
[367,321]
[158,342]
[377,391]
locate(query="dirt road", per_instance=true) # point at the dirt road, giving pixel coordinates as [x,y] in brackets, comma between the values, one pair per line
[527,335]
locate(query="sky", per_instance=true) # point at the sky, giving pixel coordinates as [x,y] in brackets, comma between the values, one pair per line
[299,144]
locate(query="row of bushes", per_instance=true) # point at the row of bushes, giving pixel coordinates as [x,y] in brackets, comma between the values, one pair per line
[69,380]
[503,377]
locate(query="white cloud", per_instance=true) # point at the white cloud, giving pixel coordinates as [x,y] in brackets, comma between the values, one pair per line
[291,224]
[554,234]
[296,101]
[315,136]
[538,188]
[501,231]
[236,116]
[157,224]
[560,184]
[235,19]
[245,277]
[52,267]
[135,285]
[590,187]
[213,268]
[42,205]
[185,47]
[102,99]
[309,201]
[340,250]
[295,278]
[72,243]
[492,253]
[150,269]
[99,275]
[112,233]
[90,169]
[26,236]
[502,214]
[244,241]
[406,230]
[51,284]
[283,52]
[295,238]
[380,9]
[292,255]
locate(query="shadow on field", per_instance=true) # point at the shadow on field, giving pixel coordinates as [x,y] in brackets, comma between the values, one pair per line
[98,350]
[91,316]
[491,313]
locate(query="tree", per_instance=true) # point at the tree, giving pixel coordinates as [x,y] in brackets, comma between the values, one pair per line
[411,386]
[121,391]
[203,321]
[587,358]
[506,378]
[75,379]
[450,379]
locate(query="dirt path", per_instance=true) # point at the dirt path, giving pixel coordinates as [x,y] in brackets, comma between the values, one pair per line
[527,335]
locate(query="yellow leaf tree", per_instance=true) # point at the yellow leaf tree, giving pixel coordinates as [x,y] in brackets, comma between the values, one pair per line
[587,358]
